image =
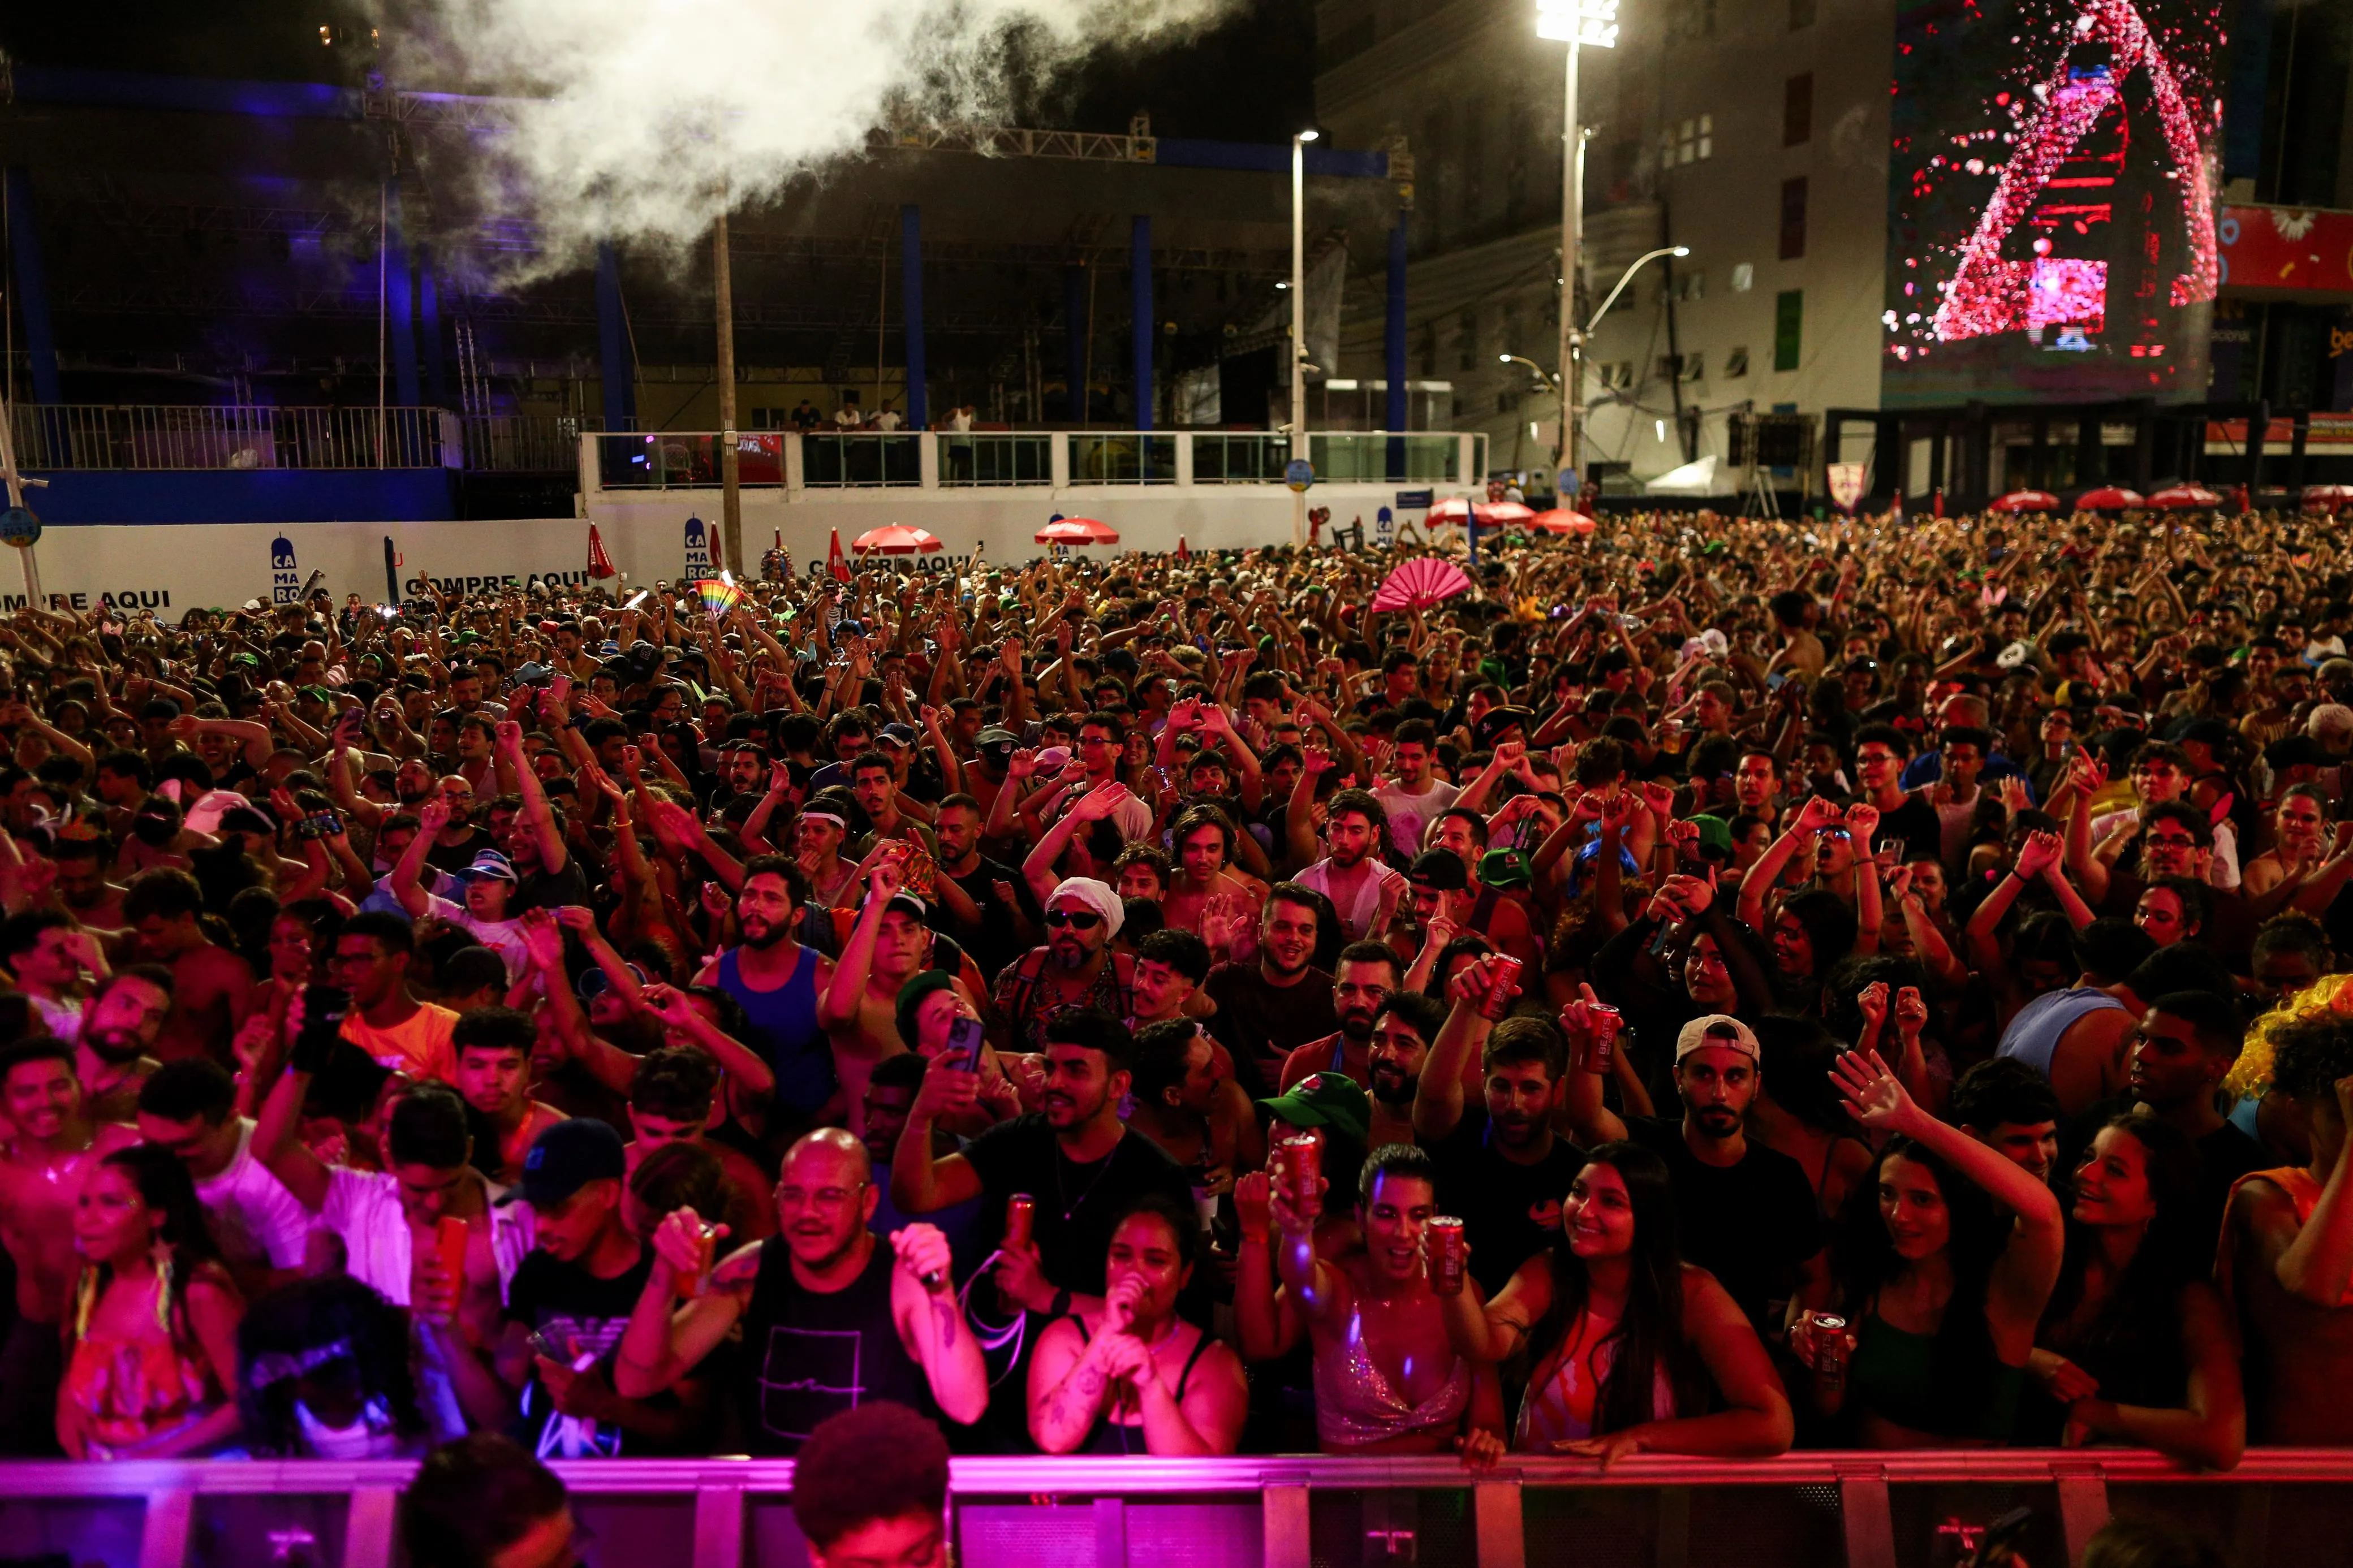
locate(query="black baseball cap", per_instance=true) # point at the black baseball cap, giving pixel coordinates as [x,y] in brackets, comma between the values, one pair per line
[567,1158]
[1440,868]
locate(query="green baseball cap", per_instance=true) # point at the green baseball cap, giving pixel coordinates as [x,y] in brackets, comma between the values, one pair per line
[1331,1100]
[1715,834]
[1504,868]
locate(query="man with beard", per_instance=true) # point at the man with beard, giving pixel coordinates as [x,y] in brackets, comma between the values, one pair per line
[1415,798]
[1074,1156]
[1365,889]
[1076,968]
[1367,973]
[1403,1027]
[1747,1213]
[989,905]
[1268,1008]
[55,1141]
[119,1031]
[832,1319]
[873,781]
[1186,1100]
[1500,1164]
[859,1006]
[776,981]
[211,986]
[1206,839]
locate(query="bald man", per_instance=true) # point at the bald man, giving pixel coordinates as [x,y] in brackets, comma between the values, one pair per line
[832,1318]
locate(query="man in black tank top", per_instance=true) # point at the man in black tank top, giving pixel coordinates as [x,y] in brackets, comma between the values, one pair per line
[833,1319]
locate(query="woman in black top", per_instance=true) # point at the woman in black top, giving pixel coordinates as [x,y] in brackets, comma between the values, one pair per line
[2135,1346]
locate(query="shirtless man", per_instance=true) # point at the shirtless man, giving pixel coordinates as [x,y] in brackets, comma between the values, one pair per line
[1376,1326]
[95,903]
[119,1031]
[2286,1261]
[889,946]
[211,986]
[1186,1100]
[54,1141]
[1205,851]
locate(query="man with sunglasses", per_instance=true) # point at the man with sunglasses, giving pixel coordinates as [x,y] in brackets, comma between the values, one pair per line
[1075,968]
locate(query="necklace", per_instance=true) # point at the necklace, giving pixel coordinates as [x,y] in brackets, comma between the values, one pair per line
[1071,1205]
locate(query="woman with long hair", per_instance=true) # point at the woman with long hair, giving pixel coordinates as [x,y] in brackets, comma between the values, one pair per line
[1942,1290]
[2135,1346]
[151,1345]
[326,1375]
[1629,1349]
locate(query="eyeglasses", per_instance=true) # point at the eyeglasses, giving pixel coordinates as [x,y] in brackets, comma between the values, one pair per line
[1077,920]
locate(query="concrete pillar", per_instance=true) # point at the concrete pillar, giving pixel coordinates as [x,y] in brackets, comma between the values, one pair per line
[1139,272]
[910,275]
[615,365]
[32,289]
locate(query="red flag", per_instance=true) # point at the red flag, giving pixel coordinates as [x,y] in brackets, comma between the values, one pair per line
[834,562]
[1937,503]
[1182,552]
[600,563]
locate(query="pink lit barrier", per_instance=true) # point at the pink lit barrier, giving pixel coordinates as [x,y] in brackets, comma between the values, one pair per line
[1916,1509]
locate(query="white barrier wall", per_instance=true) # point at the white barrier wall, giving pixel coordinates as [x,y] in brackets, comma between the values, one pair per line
[171,568]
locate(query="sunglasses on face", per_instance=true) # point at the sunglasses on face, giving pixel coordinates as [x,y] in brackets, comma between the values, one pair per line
[1077,920]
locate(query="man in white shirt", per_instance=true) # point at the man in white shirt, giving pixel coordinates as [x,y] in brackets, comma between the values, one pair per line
[846,416]
[189,1108]
[888,420]
[53,961]
[1414,799]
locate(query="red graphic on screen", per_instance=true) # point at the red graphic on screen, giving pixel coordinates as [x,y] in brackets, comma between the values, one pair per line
[2070,237]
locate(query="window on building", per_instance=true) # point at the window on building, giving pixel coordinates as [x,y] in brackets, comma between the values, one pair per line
[1691,142]
[1793,219]
[1743,277]
[1692,285]
[1692,20]
[1695,366]
[1466,340]
[1735,364]
[1797,109]
[1802,14]
[1788,326]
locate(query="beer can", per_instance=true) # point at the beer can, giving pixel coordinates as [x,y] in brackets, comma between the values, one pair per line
[692,1282]
[1447,1256]
[1303,1170]
[1504,975]
[450,1234]
[1600,1045]
[1829,1351]
[1020,1211]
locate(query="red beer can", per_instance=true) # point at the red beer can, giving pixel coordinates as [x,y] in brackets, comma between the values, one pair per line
[1504,975]
[694,1281]
[1020,1210]
[1303,1170]
[1447,1256]
[1601,1042]
[1829,1351]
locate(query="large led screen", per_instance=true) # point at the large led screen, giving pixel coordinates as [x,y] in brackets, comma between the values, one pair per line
[2050,233]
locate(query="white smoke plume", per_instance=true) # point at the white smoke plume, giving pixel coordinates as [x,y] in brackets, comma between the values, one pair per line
[631,116]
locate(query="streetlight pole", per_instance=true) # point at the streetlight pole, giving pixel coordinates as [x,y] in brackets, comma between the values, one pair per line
[731,492]
[1578,23]
[1299,326]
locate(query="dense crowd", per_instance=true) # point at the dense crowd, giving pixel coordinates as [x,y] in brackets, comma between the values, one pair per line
[1701,987]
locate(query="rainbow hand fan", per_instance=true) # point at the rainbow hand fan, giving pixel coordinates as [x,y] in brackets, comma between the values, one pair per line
[719,597]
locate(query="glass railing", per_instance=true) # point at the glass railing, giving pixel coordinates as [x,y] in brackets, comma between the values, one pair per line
[861,459]
[1132,458]
[991,458]
[1377,457]
[1240,459]
[672,460]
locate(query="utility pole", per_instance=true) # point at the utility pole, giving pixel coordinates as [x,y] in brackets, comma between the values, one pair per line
[730,490]
[1578,23]
[1299,327]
